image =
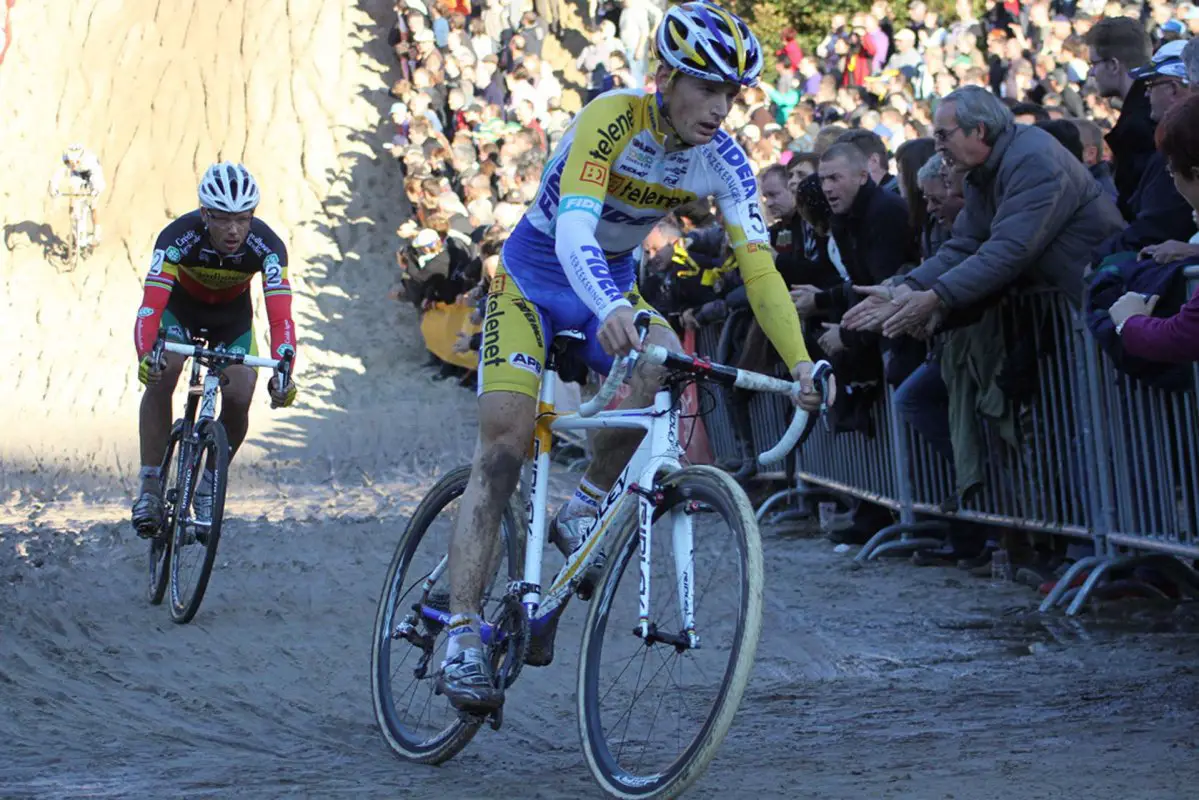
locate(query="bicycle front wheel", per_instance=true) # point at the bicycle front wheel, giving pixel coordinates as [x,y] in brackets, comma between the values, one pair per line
[193,542]
[687,695]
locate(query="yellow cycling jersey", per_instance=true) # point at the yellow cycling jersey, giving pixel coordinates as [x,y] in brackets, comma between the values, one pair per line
[610,179]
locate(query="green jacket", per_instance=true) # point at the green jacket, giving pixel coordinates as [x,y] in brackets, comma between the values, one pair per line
[971,360]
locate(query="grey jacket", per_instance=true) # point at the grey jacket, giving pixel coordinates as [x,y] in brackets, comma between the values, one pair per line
[1031,206]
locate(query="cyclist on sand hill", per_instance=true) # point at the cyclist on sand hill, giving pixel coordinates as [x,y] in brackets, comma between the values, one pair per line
[199,277]
[627,160]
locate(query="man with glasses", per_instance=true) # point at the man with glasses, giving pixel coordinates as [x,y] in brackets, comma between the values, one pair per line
[1032,208]
[1159,212]
[1119,45]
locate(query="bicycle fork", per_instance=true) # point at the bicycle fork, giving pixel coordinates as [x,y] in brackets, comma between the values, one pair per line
[682,540]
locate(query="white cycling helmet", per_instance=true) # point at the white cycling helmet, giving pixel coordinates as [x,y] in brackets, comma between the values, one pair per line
[74,152]
[705,41]
[228,187]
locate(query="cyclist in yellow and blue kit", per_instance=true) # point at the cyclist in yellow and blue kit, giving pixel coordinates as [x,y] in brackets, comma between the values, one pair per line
[628,159]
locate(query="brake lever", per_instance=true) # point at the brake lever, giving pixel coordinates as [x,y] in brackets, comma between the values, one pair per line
[157,359]
[284,373]
[820,374]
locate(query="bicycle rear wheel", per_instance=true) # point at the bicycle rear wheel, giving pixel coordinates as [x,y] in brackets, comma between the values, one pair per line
[407,649]
[620,747]
[193,548]
[160,545]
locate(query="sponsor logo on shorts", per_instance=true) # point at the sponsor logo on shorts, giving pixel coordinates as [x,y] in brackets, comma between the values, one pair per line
[594,173]
[489,352]
[525,362]
[156,262]
[532,318]
[145,311]
[497,284]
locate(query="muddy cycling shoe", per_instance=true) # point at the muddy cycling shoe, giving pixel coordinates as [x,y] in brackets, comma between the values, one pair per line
[468,681]
[202,507]
[147,515]
[202,514]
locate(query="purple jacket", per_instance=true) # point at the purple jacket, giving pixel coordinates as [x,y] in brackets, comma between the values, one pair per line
[1171,340]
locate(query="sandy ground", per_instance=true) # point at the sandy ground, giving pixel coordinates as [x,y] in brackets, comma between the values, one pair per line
[885,682]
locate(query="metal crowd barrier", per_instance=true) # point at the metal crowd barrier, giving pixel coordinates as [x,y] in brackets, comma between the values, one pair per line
[1101,459]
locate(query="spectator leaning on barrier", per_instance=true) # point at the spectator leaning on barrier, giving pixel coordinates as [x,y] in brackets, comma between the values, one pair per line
[1031,208]
[1159,212]
[1176,338]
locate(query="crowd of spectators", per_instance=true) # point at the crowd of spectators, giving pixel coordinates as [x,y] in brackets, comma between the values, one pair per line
[477,108]
[915,174]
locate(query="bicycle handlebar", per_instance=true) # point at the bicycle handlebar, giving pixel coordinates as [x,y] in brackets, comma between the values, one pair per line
[730,376]
[196,351]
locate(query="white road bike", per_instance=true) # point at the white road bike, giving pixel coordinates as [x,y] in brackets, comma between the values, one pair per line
[701,647]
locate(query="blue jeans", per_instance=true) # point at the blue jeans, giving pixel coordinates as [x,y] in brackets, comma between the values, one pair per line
[923,402]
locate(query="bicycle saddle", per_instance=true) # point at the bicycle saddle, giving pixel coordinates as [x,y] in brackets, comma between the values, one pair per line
[563,338]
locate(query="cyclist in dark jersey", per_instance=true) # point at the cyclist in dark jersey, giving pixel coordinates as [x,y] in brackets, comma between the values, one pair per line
[199,278]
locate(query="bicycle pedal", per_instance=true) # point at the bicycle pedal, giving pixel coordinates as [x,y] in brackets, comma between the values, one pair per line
[497,718]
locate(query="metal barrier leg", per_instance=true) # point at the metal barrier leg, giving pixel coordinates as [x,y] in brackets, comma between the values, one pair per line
[1092,580]
[1056,596]
[1183,576]
[797,492]
[884,541]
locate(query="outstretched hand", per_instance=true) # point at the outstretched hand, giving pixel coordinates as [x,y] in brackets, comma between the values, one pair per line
[879,304]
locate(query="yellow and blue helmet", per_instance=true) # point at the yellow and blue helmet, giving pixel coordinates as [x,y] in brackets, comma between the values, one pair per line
[705,41]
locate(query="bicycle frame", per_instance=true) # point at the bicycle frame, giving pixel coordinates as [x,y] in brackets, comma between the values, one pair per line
[80,218]
[658,452]
[201,399]
[202,394]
